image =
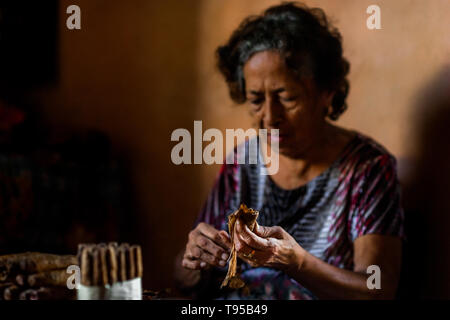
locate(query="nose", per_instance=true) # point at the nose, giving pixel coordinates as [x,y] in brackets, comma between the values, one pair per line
[273,113]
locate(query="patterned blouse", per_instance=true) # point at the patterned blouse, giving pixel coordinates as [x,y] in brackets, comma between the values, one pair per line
[358,194]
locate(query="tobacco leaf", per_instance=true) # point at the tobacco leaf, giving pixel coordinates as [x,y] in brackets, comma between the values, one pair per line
[247,216]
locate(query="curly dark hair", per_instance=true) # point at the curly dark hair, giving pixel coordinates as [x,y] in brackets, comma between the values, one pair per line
[307,41]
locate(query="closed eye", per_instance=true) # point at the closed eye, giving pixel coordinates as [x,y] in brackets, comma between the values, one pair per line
[256,101]
[289,99]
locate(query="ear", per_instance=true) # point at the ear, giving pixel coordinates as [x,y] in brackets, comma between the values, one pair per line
[327,98]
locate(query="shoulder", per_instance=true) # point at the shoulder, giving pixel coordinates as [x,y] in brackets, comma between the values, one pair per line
[375,192]
[367,155]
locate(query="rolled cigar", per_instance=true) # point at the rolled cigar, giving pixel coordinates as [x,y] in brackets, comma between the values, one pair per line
[55,293]
[10,264]
[122,259]
[12,292]
[29,294]
[48,278]
[21,280]
[112,263]
[45,261]
[47,293]
[137,255]
[81,247]
[3,286]
[113,244]
[132,264]
[85,267]
[103,265]
[95,256]
[129,263]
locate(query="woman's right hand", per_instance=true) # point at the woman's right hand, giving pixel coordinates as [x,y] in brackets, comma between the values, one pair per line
[206,247]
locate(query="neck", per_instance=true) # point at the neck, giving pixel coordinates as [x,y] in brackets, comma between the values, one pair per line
[316,155]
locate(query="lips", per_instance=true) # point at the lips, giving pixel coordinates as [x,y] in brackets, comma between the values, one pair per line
[276,137]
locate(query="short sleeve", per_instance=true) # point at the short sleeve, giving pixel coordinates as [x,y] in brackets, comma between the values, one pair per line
[217,205]
[376,200]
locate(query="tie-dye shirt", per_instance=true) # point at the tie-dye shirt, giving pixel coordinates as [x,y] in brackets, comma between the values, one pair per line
[358,194]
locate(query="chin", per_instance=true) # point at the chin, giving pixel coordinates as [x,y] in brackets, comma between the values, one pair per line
[291,150]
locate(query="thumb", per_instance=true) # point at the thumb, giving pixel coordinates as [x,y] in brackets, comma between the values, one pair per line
[268,232]
[225,237]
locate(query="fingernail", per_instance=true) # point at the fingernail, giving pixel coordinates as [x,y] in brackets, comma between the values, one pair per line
[224,256]
[222,263]
[202,264]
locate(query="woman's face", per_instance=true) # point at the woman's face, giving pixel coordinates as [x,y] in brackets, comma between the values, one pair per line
[278,100]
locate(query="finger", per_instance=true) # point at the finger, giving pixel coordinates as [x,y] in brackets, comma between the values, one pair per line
[253,260]
[268,232]
[244,250]
[250,238]
[212,260]
[192,251]
[226,237]
[211,247]
[192,264]
[253,263]
[195,252]
[213,234]
[257,258]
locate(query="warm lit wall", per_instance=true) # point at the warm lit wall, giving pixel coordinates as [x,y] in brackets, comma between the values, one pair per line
[387,66]
[139,69]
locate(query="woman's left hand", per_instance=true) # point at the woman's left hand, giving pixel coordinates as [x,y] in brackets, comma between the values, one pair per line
[268,247]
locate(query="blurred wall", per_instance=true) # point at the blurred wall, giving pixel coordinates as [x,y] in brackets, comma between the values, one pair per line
[131,71]
[140,69]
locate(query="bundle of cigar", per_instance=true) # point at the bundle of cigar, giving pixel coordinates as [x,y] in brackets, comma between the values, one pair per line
[103,264]
[35,276]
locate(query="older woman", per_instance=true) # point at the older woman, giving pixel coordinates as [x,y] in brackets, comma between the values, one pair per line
[333,207]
